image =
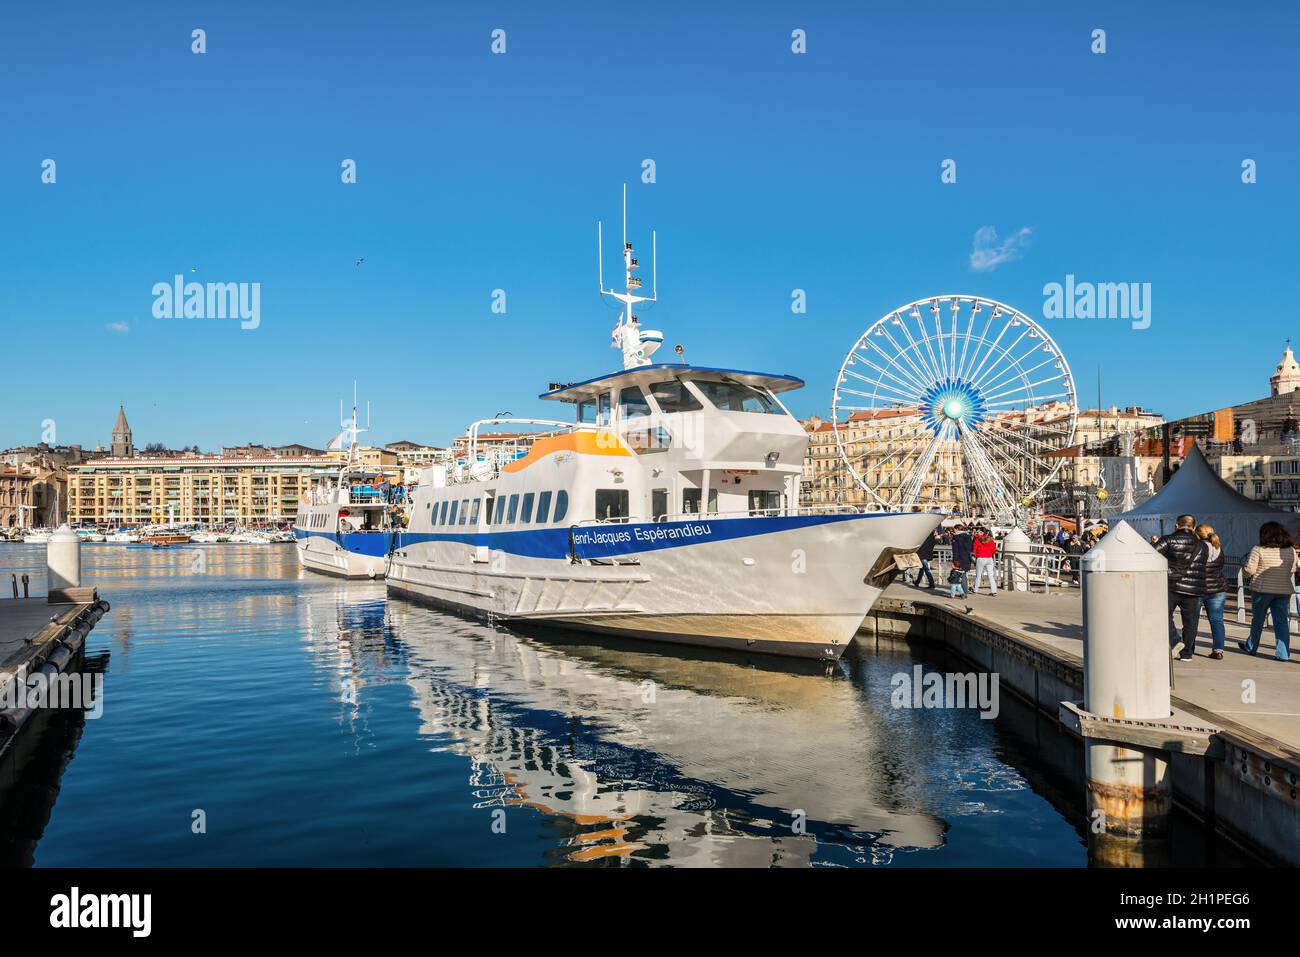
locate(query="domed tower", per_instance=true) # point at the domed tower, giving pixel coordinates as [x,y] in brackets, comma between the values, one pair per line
[122,445]
[1287,377]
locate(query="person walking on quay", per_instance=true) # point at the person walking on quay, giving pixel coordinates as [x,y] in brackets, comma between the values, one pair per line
[1215,590]
[1186,555]
[1270,567]
[985,549]
[962,550]
[926,553]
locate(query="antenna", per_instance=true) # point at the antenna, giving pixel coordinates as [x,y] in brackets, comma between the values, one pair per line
[637,344]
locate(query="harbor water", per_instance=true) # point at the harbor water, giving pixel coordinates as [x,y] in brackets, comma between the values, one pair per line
[256,714]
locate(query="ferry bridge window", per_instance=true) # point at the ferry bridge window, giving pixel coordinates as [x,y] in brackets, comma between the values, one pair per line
[464,511]
[526,509]
[632,403]
[501,511]
[514,507]
[673,396]
[561,506]
[648,440]
[611,504]
[587,412]
[473,512]
[691,500]
[543,507]
[736,397]
[764,501]
[453,513]
[442,519]
[659,504]
[602,408]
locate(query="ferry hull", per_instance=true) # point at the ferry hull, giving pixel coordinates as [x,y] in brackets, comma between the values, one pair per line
[360,555]
[793,586]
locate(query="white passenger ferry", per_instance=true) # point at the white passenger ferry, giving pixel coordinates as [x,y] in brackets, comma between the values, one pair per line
[668,508]
[346,526]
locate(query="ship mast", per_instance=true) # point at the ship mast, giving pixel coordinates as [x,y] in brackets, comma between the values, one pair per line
[351,428]
[637,344]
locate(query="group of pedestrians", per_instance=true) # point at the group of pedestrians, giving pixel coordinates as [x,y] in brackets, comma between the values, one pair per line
[979,549]
[1196,581]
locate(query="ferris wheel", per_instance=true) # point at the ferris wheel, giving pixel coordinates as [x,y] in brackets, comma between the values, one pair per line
[954,402]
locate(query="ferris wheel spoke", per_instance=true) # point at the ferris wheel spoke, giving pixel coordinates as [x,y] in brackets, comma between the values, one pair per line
[1010,366]
[954,307]
[966,340]
[982,472]
[982,341]
[935,365]
[1007,357]
[928,372]
[903,388]
[906,383]
[937,312]
[905,353]
[1026,387]
[1022,373]
[914,484]
[1020,436]
[992,349]
[1021,462]
[1040,399]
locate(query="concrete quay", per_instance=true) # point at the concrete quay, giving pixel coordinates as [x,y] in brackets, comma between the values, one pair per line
[1247,783]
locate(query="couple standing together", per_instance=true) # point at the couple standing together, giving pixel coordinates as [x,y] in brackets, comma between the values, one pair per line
[1195,558]
[983,549]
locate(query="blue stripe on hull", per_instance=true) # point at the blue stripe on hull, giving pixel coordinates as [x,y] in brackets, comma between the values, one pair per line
[607,541]
[372,544]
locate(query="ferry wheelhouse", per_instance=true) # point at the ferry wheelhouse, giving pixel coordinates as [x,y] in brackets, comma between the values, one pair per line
[666,508]
[347,525]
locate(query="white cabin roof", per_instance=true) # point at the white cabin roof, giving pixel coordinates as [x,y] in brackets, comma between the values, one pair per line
[643,375]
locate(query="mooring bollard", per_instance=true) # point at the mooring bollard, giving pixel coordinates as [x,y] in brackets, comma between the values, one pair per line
[1017,548]
[63,560]
[1126,676]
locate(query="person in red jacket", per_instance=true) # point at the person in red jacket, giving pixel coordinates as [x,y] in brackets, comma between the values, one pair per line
[986,549]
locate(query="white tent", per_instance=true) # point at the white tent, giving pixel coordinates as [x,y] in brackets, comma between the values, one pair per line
[1195,489]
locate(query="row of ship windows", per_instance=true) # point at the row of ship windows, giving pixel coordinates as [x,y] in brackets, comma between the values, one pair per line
[530,508]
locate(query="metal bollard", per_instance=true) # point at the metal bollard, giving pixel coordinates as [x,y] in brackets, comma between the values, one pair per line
[63,559]
[1017,547]
[1126,675]
[25,595]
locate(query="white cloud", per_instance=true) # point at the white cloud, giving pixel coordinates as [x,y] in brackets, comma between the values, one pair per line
[988,254]
[121,328]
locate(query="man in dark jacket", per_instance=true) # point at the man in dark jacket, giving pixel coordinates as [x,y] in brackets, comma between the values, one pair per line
[925,553]
[1187,556]
[962,549]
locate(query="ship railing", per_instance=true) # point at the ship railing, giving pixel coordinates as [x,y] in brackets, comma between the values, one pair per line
[1044,567]
[496,457]
[782,512]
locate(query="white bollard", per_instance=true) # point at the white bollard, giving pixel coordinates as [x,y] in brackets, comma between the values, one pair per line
[63,559]
[1017,547]
[1126,675]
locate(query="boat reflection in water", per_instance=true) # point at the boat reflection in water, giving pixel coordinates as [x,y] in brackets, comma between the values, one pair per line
[637,755]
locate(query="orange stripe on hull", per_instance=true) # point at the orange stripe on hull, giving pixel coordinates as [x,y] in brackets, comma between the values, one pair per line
[583,443]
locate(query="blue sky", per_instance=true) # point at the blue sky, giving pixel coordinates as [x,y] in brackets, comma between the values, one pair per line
[476,171]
